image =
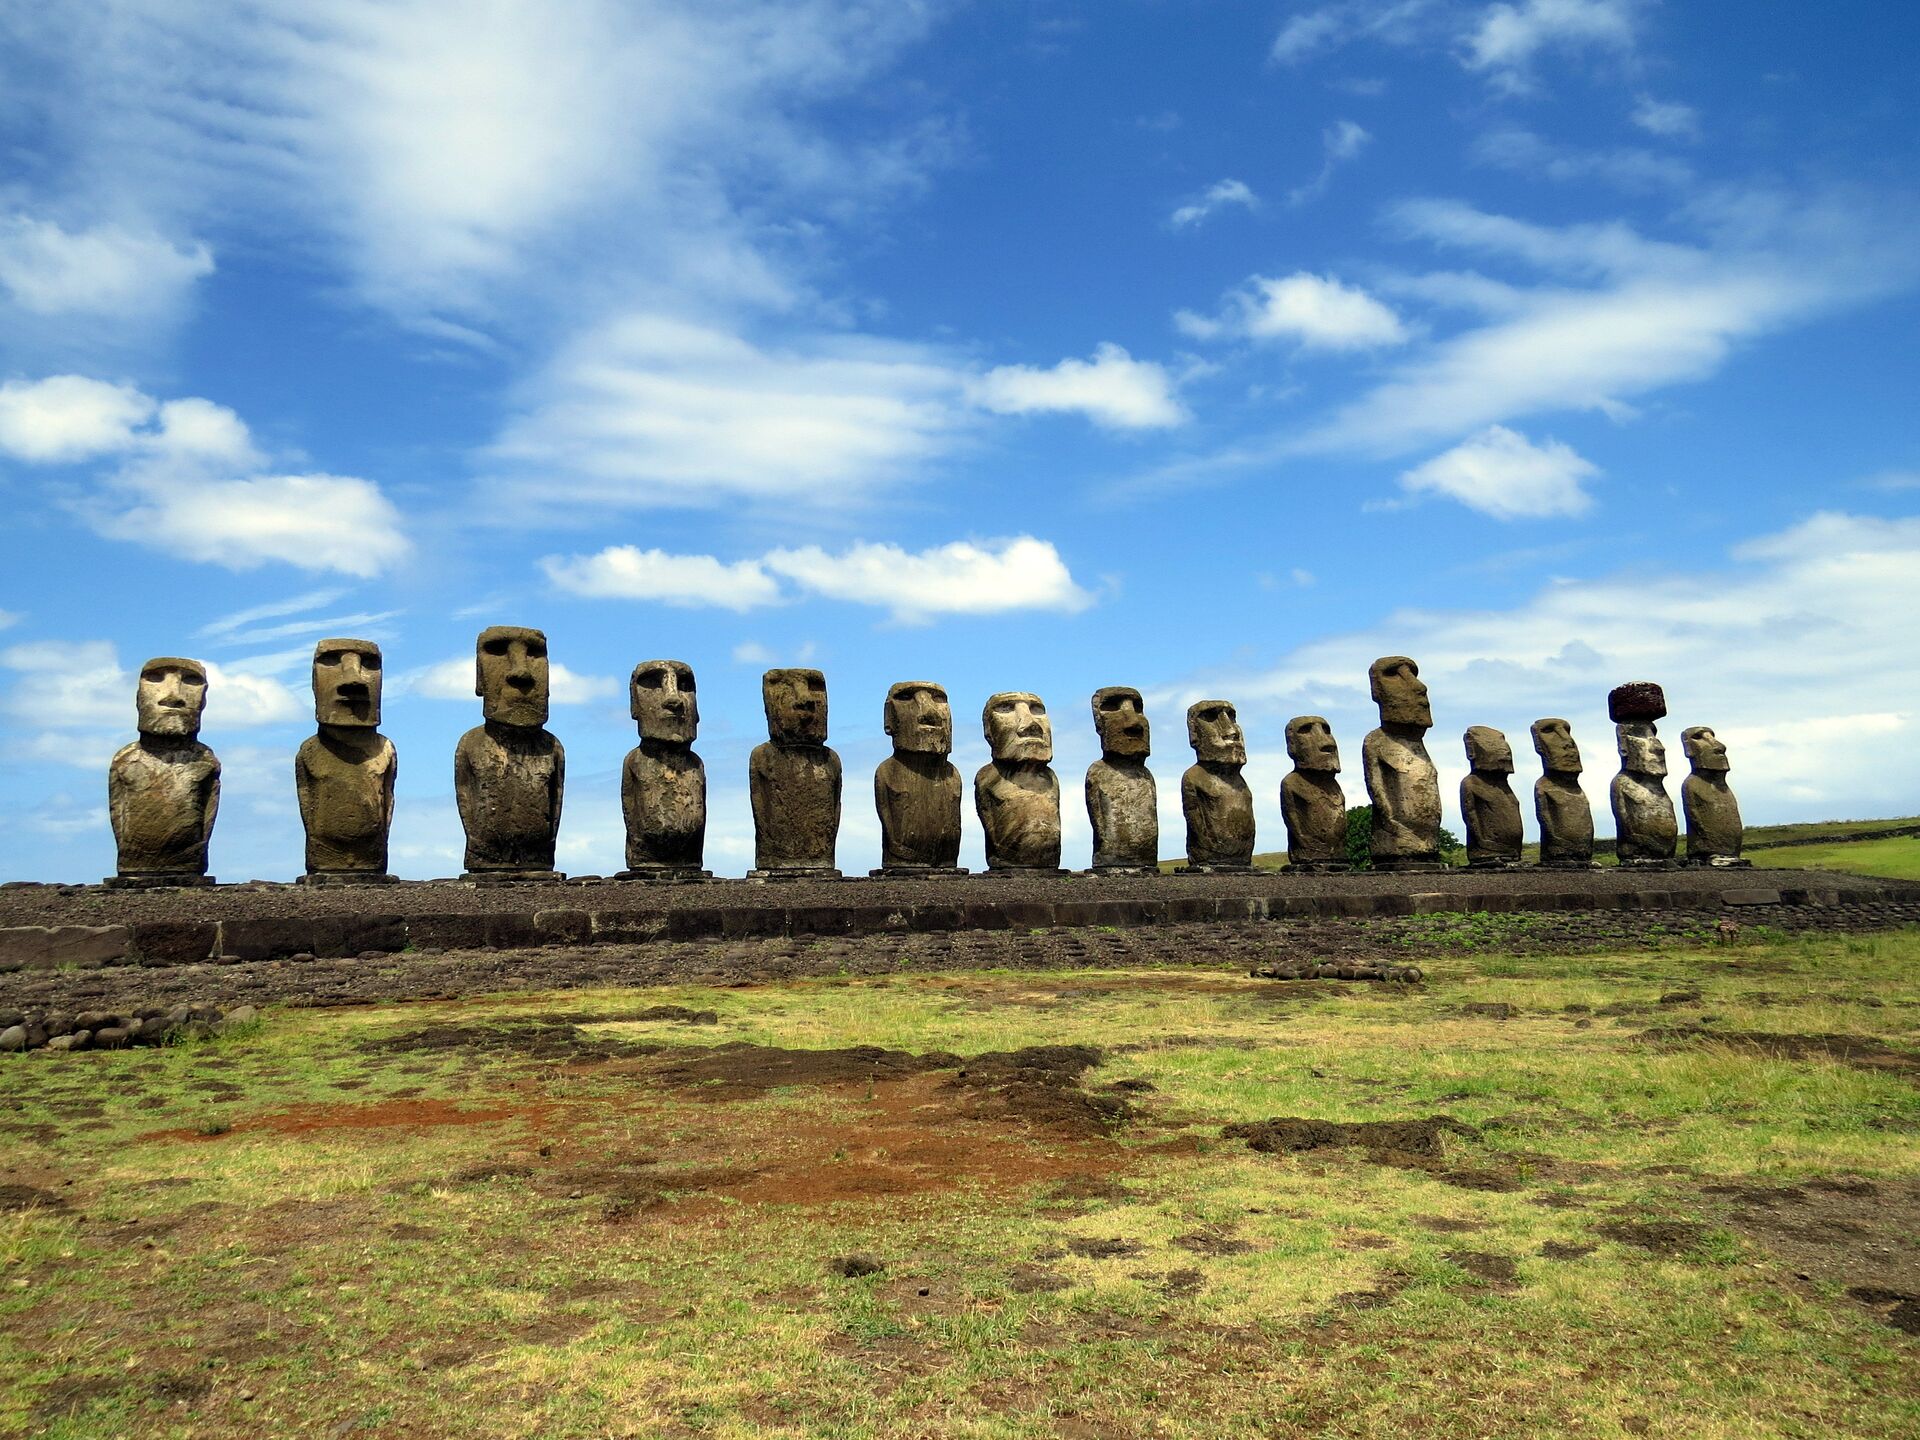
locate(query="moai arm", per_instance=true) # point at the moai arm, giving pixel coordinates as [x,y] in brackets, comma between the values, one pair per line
[303,786]
[212,806]
[559,792]
[1379,776]
[465,791]
[388,778]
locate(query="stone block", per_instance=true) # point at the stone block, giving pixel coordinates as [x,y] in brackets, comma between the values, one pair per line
[1432,902]
[45,947]
[641,927]
[275,937]
[448,932]
[1750,897]
[563,927]
[385,933]
[930,918]
[175,942]
[690,923]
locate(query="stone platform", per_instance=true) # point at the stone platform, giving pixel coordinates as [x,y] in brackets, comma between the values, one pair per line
[54,927]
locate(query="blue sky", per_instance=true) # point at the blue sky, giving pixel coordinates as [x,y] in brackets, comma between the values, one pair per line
[1214,349]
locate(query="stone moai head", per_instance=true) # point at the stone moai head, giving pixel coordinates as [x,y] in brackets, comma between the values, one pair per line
[919,718]
[510,675]
[1553,743]
[663,701]
[796,702]
[1213,729]
[1488,750]
[1121,718]
[1641,750]
[1311,746]
[1017,727]
[171,694]
[1705,750]
[1400,692]
[346,684]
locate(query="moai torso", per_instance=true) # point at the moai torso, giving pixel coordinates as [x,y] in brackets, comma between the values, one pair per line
[1566,819]
[345,784]
[917,797]
[795,791]
[1643,818]
[1218,804]
[509,781]
[1404,788]
[663,794]
[162,797]
[1019,808]
[1123,804]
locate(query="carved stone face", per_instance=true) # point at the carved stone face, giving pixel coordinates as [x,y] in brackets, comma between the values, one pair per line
[346,684]
[510,675]
[1553,743]
[1017,727]
[664,702]
[1310,745]
[1640,748]
[1488,750]
[919,718]
[796,702]
[171,694]
[1213,729]
[1399,692]
[1705,750]
[1121,718]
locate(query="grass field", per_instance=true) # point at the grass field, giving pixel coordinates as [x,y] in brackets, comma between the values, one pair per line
[1891,859]
[589,1215]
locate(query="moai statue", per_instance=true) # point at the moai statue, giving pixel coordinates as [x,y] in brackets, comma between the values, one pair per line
[1714,831]
[1122,801]
[1644,826]
[1216,800]
[1487,802]
[1559,804]
[163,790]
[916,789]
[509,773]
[1016,794]
[1402,784]
[663,785]
[344,773]
[1311,801]
[794,781]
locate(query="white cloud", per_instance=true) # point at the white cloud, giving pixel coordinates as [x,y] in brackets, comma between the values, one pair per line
[185,480]
[629,138]
[1503,474]
[1507,38]
[962,578]
[452,679]
[1217,196]
[8,619]
[1317,312]
[105,271]
[1797,649]
[958,579]
[67,418]
[1619,317]
[1339,142]
[655,411]
[1627,167]
[1314,32]
[752,652]
[1667,118]
[272,610]
[626,572]
[82,685]
[1113,390]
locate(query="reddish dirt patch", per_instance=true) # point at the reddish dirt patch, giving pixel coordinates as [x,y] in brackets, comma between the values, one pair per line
[385,1114]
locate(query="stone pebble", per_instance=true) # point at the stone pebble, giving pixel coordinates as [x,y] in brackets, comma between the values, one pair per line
[107,1030]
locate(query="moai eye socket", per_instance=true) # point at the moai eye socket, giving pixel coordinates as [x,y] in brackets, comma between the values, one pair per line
[816,684]
[651,679]
[1113,703]
[1036,708]
[686,679]
[536,650]
[495,647]
[369,661]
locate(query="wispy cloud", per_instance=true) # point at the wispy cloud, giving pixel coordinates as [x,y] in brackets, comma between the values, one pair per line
[1502,473]
[1339,142]
[1216,196]
[1666,118]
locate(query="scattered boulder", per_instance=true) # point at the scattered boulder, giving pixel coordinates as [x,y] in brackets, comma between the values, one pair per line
[1339,970]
